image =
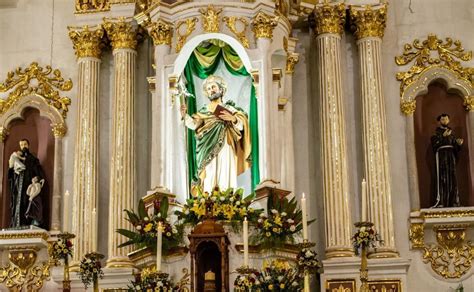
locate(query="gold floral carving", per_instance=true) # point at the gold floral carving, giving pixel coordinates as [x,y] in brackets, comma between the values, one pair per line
[329,18]
[231,22]
[47,81]
[433,52]
[263,25]
[22,273]
[469,103]
[42,235]
[161,32]
[452,256]
[90,6]
[210,18]
[408,107]
[417,235]
[86,41]
[291,60]
[3,134]
[369,21]
[190,26]
[448,214]
[121,32]
[59,130]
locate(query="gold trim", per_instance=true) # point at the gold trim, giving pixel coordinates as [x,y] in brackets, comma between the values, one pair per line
[370,21]
[59,130]
[341,288]
[263,25]
[190,26]
[121,32]
[161,32]
[408,107]
[42,235]
[86,41]
[329,18]
[469,103]
[417,235]
[447,214]
[210,18]
[291,60]
[231,22]
[87,6]
[47,80]
[3,134]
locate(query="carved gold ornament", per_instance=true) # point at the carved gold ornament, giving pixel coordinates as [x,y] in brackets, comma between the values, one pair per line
[452,257]
[408,107]
[190,26]
[291,60]
[210,18]
[90,6]
[433,52]
[121,32]
[3,134]
[417,235]
[231,22]
[469,103]
[86,41]
[59,130]
[22,273]
[263,25]
[46,81]
[161,32]
[369,21]
[329,18]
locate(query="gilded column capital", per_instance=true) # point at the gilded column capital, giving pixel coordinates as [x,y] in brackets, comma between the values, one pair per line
[3,134]
[122,33]
[263,25]
[291,60]
[86,40]
[469,103]
[369,21]
[329,18]
[161,32]
[59,130]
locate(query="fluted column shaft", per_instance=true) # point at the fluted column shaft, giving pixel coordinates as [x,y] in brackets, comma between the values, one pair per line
[122,163]
[85,183]
[59,130]
[329,27]
[370,24]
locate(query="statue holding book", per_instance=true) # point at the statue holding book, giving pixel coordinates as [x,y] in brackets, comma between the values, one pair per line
[223,146]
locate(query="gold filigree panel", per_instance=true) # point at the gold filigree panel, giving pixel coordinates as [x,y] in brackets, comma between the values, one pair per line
[341,285]
[210,18]
[232,23]
[189,25]
[385,285]
[92,6]
[43,82]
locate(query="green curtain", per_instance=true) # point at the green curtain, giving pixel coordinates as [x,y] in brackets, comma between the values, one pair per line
[204,62]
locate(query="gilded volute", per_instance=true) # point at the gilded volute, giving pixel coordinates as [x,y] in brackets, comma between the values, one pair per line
[369,21]
[86,40]
[329,18]
[121,32]
[263,25]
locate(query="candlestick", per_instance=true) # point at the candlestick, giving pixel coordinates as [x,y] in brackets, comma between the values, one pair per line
[159,237]
[66,217]
[364,201]
[94,230]
[246,242]
[305,222]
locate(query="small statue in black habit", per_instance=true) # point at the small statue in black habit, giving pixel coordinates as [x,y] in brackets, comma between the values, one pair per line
[446,147]
[25,180]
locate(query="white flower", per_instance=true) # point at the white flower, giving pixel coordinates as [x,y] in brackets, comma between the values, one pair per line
[294,283]
[231,199]
[292,228]
[291,221]
[186,212]
[237,203]
[139,227]
[222,199]
[146,219]
[283,214]
[203,200]
[213,199]
[260,220]
[274,211]
[167,219]
[262,215]
[268,278]
[308,253]
[280,278]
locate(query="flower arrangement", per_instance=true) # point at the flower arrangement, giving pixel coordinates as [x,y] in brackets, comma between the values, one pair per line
[61,249]
[249,282]
[307,261]
[90,269]
[282,221]
[365,237]
[227,205]
[145,227]
[151,280]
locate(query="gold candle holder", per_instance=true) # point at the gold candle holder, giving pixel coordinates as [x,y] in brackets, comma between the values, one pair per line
[306,244]
[65,236]
[364,271]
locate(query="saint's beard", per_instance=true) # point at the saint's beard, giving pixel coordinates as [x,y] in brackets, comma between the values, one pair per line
[215,96]
[25,151]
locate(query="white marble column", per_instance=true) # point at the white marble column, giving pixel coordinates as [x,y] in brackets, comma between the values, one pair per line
[329,28]
[86,43]
[59,130]
[370,25]
[122,163]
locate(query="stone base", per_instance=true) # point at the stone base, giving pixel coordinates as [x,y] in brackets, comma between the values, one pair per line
[388,273]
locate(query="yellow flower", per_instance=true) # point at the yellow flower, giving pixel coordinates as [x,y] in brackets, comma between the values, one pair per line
[200,210]
[216,210]
[228,211]
[270,287]
[278,220]
[148,227]
[282,286]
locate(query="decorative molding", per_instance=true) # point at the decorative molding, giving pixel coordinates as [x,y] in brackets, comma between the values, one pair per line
[15,235]
[329,18]
[161,32]
[341,285]
[263,25]
[87,6]
[231,22]
[417,235]
[291,60]
[369,21]
[190,27]
[469,103]
[3,134]
[449,56]
[19,82]
[408,107]
[121,32]
[210,18]
[59,130]
[86,41]
[448,213]
[385,285]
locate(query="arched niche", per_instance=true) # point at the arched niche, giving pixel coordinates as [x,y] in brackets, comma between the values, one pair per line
[32,117]
[437,90]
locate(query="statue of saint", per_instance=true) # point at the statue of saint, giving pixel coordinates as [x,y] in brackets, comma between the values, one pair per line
[25,184]
[223,146]
[446,147]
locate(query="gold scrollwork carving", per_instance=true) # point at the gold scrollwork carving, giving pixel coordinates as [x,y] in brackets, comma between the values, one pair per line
[210,18]
[89,6]
[185,281]
[86,41]
[47,80]
[231,22]
[190,26]
[329,18]
[452,257]
[449,53]
[263,25]
[59,130]
[291,60]
[121,32]
[408,107]
[469,103]
[417,235]
[3,134]
[161,32]
[369,21]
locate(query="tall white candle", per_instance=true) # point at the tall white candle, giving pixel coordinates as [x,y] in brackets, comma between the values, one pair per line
[246,242]
[94,229]
[364,201]
[305,220]
[159,243]
[66,216]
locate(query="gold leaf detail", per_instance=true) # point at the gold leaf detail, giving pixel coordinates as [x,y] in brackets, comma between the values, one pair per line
[121,32]
[329,18]
[291,60]
[210,18]
[369,21]
[161,32]
[231,22]
[91,6]
[408,107]
[86,42]
[190,26]
[263,25]
[417,235]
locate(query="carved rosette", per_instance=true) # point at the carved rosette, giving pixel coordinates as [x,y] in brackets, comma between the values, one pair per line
[263,25]
[329,19]
[369,21]
[161,32]
[291,60]
[86,41]
[122,33]
[210,18]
